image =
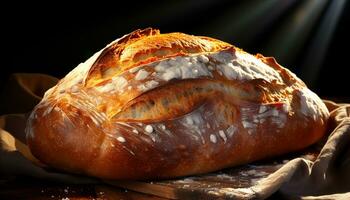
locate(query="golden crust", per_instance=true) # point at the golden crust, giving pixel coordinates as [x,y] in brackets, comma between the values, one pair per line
[153,105]
[143,46]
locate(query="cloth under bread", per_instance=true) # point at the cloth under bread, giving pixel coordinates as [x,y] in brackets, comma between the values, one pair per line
[297,179]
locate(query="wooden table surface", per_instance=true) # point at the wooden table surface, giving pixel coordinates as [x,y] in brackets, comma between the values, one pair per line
[194,187]
[32,189]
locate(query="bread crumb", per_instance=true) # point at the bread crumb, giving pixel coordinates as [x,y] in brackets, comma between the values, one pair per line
[149,129]
[135,131]
[213,138]
[121,139]
[141,74]
[223,135]
[162,126]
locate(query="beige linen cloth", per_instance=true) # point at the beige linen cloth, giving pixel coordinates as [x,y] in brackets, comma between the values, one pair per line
[326,178]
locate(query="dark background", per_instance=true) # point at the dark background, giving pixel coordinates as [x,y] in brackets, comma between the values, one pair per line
[310,37]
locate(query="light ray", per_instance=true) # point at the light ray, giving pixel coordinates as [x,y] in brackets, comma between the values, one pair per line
[317,50]
[287,41]
[248,19]
[252,22]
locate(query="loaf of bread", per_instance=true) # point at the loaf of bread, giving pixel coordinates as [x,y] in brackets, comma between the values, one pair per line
[153,106]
